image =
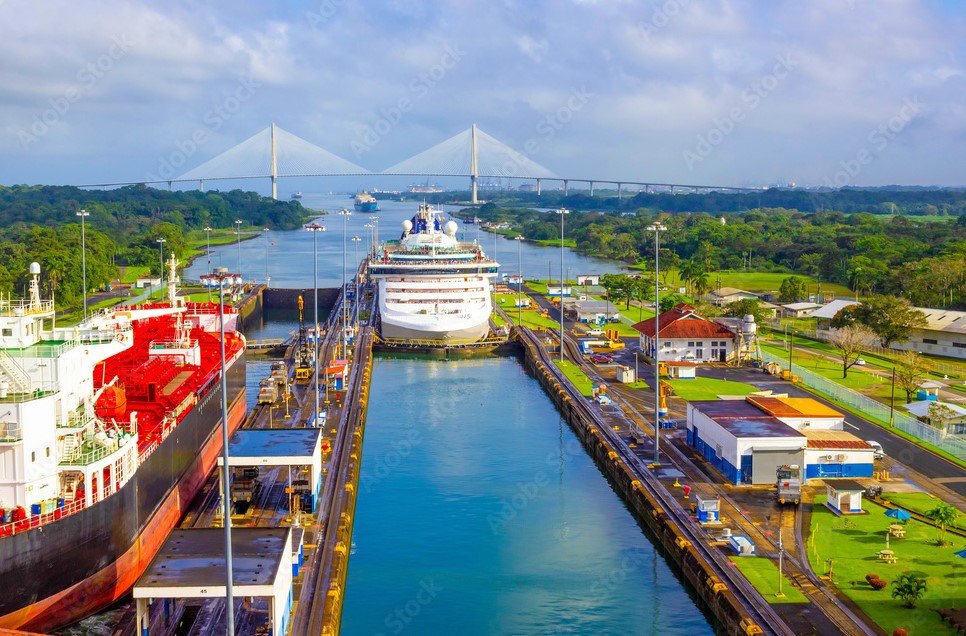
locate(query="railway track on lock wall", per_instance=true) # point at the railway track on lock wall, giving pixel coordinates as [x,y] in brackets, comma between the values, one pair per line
[756,607]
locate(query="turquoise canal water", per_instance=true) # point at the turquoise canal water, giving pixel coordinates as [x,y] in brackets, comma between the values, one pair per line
[480,513]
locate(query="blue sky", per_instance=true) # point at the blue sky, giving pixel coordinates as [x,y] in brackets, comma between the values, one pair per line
[829,92]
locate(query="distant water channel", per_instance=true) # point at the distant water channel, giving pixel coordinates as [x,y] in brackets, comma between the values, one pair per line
[480,513]
[286,256]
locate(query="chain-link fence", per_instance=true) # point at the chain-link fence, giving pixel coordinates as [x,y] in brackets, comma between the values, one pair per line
[953,444]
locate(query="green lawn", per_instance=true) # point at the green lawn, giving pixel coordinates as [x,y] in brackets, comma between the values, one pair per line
[919,502]
[758,281]
[852,542]
[763,574]
[130,273]
[708,388]
[530,317]
[576,375]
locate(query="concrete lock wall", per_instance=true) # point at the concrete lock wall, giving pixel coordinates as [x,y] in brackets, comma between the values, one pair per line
[715,596]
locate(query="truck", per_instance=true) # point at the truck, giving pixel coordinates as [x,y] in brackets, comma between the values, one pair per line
[268,392]
[789,484]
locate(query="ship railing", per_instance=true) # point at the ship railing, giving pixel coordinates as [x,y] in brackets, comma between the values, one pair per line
[96,454]
[10,432]
[75,420]
[36,394]
[36,521]
[24,307]
[150,448]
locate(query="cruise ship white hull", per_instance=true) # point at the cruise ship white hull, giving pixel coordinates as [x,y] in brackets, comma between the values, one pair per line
[427,332]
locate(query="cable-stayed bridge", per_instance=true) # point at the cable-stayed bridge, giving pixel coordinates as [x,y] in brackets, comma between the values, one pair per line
[275,154]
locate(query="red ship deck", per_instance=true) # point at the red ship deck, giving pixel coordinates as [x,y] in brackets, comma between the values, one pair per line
[161,389]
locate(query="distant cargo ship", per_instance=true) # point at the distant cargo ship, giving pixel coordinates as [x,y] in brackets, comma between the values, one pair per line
[111,428]
[297,195]
[432,286]
[416,188]
[365,202]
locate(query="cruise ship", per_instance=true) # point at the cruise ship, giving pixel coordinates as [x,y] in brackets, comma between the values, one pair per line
[108,430]
[431,286]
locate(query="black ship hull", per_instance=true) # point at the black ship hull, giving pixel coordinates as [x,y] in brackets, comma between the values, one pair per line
[70,568]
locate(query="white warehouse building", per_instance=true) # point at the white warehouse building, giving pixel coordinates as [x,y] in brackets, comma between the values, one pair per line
[747,440]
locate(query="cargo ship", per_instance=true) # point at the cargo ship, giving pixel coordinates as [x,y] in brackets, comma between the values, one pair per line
[108,430]
[432,286]
[365,202]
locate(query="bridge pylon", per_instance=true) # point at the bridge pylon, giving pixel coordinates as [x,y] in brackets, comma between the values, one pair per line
[474,167]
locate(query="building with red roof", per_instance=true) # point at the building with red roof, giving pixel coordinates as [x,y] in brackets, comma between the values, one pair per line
[686,336]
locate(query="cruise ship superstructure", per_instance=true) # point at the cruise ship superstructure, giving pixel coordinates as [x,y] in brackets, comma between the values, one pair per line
[432,286]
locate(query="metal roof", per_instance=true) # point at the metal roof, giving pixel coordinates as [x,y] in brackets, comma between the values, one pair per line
[195,558]
[727,408]
[793,407]
[845,484]
[834,440]
[757,427]
[834,307]
[275,442]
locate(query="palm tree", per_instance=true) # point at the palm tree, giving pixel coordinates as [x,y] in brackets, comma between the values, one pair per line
[910,588]
[944,515]
[702,283]
[687,272]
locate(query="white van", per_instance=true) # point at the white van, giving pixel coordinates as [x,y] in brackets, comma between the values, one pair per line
[877,451]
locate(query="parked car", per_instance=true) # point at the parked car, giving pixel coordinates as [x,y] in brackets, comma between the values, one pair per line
[860,362]
[601,358]
[595,332]
[877,451]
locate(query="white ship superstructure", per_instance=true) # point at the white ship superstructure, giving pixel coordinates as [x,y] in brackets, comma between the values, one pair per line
[431,286]
[50,439]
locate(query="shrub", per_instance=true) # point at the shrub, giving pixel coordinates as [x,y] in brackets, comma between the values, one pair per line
[876,582]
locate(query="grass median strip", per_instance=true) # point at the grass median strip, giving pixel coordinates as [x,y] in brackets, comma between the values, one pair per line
[763,574]
[576,376]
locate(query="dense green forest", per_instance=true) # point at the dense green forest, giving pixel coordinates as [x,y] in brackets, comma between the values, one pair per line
[39,223]
[923,260]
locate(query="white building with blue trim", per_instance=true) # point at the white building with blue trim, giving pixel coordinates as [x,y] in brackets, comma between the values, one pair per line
[748,439]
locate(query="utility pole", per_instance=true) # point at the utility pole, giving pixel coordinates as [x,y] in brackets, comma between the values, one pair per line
[657,227]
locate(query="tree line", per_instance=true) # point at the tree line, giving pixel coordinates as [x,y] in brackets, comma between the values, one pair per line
[40,223]
[922,260]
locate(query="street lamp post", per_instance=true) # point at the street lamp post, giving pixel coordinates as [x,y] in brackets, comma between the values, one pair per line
[355,278]
[345,317]
[208,245]
[657,228]
[375,232]
[370,227]
[222,280]
[268,279]
[315,228]
[238,224]
[562,212]
[83,214]
[161,242]
[519,240]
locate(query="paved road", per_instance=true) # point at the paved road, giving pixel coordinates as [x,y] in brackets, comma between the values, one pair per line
[897,448]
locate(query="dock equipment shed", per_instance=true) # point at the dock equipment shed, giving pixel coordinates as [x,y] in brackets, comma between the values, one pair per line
[844,496]
[279,447]
[191,565]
